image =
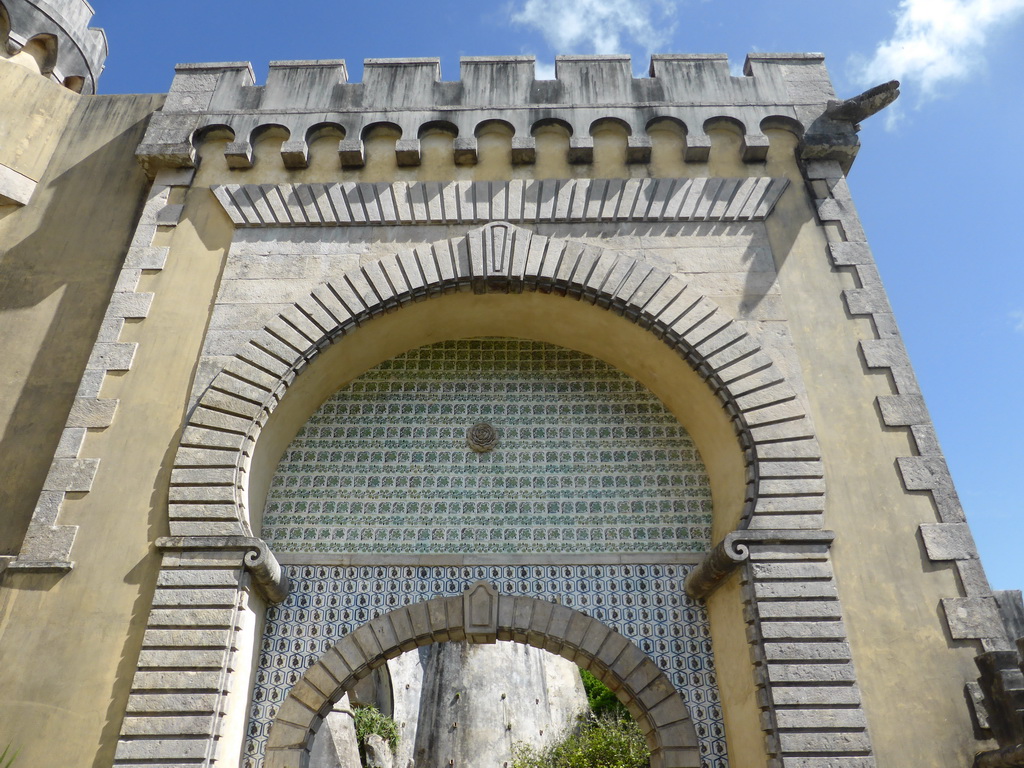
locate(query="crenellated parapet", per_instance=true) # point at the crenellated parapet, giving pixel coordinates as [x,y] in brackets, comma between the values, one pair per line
[57,35]
[306,100]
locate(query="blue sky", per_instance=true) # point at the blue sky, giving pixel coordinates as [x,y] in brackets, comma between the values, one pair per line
[938,182]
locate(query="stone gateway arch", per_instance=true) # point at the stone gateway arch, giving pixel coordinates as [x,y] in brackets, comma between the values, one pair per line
[334,370]
[771,442]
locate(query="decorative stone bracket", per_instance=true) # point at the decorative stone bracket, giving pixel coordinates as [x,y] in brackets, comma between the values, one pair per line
[258,559]
[734,549]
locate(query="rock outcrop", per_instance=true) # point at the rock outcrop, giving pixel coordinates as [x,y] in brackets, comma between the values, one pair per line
[479,700]
[458,704]
[335,745]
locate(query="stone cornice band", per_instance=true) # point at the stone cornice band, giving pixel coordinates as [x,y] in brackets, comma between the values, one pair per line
[517,201]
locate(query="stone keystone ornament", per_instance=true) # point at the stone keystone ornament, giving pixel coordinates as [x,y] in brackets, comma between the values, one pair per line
[482,437]
[480,612]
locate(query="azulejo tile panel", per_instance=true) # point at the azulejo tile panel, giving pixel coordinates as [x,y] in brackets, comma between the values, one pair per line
[645,603]
[587,460]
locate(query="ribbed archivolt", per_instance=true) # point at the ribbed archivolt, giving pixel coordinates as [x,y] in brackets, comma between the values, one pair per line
[786,488]
[786,485]
[519,201]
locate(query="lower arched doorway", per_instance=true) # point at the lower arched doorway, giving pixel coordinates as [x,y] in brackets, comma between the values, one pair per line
[483,615]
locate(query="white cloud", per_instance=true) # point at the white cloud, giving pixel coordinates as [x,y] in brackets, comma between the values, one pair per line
[1017,316]
[936,42]
[599,26]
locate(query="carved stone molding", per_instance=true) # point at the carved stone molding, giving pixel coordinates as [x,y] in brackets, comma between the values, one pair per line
[762,405]
[480,609]
[519,201]
[734,549]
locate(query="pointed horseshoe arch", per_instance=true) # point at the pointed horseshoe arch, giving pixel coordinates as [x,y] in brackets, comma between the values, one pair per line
[481,615]
[785,482]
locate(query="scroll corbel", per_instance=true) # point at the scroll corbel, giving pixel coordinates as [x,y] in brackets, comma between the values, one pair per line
[719,563]
[734,549]
[266,571]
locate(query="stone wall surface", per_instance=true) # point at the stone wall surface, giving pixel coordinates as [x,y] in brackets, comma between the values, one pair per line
[479,701]
[336,744]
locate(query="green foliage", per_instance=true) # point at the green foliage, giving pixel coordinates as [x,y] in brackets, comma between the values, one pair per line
[6,761]
[608,741]
[600,698]
[371,720]
[606,738]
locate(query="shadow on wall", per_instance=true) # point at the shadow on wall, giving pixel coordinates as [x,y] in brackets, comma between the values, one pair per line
[80,222]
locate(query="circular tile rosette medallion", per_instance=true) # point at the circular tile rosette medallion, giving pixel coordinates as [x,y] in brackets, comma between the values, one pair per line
[482,437]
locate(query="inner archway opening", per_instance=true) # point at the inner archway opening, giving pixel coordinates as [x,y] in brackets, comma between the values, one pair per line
[506,705]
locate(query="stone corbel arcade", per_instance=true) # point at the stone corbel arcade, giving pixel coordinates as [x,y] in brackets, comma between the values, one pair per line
[755,438]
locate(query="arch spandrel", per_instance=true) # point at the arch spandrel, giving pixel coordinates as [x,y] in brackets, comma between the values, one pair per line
[638,682]
[784,480]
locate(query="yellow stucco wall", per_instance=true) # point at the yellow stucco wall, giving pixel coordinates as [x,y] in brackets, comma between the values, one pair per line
[62,640]
[911,674]
[59,259]
[36,112]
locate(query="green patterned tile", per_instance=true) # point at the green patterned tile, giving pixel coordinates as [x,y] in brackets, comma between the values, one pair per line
[587,461]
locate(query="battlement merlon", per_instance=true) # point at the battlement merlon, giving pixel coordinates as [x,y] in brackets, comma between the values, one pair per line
[694,90]
[78,50]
